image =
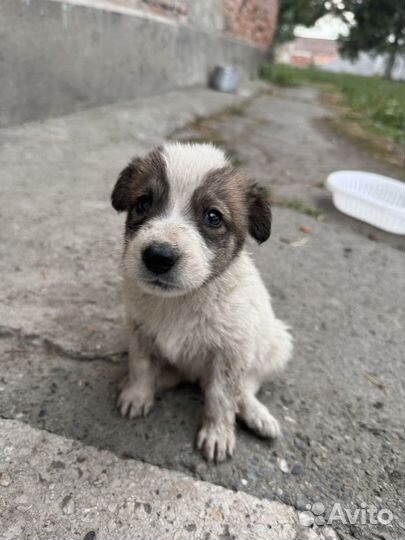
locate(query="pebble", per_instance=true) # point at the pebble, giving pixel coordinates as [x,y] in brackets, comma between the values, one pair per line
[318,509]
[320,520]
[68,505]
[297,469]
[91,535]
[283,465]
[301,502]
[5,480]
[337,486]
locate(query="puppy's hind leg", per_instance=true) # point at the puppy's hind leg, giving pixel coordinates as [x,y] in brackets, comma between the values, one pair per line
[251,411]
[258,418]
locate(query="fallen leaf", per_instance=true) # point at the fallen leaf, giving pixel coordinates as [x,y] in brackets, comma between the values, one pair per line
[299,243]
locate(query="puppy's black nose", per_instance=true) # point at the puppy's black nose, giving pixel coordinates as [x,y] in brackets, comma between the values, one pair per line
[159,258]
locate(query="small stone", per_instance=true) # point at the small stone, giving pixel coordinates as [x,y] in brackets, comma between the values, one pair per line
[301,502]
[147,507]
[320,520]
[5,480]
[68,505]
[305,229]
[57,465]
[318,509]
[244,482]
[297,469]
[91,535]
[283,465]
[337,486]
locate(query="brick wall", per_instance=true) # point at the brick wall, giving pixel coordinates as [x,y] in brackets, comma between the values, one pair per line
[253,20]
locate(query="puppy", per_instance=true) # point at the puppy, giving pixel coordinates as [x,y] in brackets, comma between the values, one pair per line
[197,309]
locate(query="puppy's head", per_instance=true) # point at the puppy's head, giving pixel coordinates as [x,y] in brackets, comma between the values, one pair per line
[188,214]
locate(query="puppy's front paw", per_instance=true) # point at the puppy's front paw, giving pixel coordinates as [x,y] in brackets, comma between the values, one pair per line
[216,441]
[134,400]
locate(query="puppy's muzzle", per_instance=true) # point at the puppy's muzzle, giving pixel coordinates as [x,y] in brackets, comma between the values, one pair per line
[159,258]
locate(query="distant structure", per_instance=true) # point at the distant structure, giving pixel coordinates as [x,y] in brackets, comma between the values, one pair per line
[318,46]
[307,51]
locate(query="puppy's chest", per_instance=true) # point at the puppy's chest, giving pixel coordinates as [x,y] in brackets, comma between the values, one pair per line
[183,337]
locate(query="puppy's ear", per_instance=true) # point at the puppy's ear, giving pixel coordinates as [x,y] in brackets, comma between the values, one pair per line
[259,214]
[121,195]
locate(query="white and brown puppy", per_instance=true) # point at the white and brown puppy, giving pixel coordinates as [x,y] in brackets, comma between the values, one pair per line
[197,308]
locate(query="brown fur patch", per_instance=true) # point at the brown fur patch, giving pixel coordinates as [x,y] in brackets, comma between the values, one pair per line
[244,209]
[141,177]
[225,190]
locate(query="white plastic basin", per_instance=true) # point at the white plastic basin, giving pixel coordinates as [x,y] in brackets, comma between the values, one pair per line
[370,197]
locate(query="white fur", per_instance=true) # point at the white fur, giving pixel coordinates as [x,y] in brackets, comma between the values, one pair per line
[187,164]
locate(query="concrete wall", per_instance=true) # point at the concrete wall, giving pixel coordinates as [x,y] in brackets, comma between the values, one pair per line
[59,57]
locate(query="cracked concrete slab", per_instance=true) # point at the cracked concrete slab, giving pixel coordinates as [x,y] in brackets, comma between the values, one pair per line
[341,400]
[52,487]
[338,401]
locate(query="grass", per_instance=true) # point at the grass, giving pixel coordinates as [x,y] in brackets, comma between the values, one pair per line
[376,104]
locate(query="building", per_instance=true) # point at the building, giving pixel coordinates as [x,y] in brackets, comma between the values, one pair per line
[313,51]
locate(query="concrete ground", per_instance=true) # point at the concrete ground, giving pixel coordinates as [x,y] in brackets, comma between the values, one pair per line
[67,456]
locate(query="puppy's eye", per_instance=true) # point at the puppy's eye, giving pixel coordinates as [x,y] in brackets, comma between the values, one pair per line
[213,218]
[143,204]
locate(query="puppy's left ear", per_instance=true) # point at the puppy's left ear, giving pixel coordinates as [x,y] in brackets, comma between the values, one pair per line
[259,214]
